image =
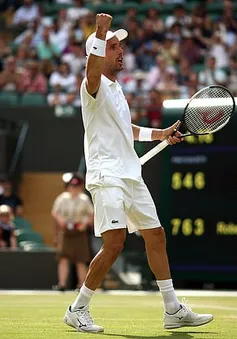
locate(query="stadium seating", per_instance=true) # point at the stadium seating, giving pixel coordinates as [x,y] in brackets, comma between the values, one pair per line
[28,235]
[33,99]
[21,223]
[8,98]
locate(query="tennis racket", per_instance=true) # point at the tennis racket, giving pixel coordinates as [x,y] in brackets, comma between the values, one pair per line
[208,111]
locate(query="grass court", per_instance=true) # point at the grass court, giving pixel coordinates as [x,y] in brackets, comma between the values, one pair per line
[132,316]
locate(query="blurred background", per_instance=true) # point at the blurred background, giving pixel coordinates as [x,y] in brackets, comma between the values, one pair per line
[174,48]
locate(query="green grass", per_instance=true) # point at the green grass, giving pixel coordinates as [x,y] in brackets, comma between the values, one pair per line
[40,316]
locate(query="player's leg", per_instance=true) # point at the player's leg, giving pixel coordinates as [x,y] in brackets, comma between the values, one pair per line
[111,225]
[176,314]
[113,242]
[143,214]
[155,244]
[77,315]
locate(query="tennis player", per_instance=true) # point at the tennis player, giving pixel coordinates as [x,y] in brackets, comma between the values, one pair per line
[120,196]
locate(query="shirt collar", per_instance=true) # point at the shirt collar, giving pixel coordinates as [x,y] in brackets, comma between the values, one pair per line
[110,82]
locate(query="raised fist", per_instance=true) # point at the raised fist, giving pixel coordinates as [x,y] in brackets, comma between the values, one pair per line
[103,22]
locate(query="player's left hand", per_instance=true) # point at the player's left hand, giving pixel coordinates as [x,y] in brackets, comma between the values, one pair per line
[171,134]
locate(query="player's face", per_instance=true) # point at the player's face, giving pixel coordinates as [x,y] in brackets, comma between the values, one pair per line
[114,55]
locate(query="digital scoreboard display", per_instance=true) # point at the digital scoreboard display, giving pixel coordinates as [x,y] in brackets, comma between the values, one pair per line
[198,204]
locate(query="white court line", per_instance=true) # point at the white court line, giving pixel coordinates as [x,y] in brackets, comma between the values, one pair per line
[180,293]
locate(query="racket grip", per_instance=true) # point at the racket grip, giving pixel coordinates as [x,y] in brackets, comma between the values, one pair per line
[155,150]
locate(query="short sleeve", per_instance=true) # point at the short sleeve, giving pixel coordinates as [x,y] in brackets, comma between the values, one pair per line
[57,204]
[89,101]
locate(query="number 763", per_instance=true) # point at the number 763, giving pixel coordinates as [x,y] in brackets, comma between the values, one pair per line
[187,226]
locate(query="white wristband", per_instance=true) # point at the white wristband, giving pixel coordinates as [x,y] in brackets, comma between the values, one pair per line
[145,134]
[98,48]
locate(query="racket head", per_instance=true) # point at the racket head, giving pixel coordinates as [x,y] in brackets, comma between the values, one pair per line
[208,110]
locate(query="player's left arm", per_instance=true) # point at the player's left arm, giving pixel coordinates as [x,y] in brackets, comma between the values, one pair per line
[152,134]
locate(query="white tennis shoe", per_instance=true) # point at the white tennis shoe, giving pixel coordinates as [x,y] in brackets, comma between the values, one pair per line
[185,317]
[81,320]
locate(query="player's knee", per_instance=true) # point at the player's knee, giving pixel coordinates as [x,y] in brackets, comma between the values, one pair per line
[114,249]
[157,239]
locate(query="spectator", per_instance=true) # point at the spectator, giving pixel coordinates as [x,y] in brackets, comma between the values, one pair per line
[229,17]
[73,99]
[218,50]
[184,77]
[33,79]
[184,73]
[88,24]
[72,42]
[64,2]
[233,75]
[77,11]
[179,16]
[34,30]
[63,21]
[170,50]
[7,228]
[146,55]
[153,17]
[140,85]
[5,50]
[168,86]
[58,97]
[8,197]
[10,77]
[63,77]
[212,74]
[58,36]
[75,59]
[78,32]
[22,56]
[154,109]
[130,17]
[175,32]
[26,13]
[189,49]
[73,212]
[158,72]
[47,49]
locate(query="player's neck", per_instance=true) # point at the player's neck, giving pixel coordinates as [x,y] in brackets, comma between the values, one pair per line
[110,76]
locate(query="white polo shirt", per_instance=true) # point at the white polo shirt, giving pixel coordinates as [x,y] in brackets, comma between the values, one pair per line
[108,141]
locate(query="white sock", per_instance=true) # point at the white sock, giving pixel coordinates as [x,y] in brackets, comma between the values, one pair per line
[171,303]
[83,299]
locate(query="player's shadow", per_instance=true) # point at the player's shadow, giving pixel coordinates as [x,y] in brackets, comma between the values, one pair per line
[173,335]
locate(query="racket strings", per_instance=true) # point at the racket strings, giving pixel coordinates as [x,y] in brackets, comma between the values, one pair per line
[208,110]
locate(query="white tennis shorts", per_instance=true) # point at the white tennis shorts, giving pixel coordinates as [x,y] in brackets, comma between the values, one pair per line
[123,203]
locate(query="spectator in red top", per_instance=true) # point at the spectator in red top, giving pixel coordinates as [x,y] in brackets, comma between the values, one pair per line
[10,77]
[189,49]
[34,80]
[154,109]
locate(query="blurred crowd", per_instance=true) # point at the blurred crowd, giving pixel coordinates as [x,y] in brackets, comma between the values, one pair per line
[165,57]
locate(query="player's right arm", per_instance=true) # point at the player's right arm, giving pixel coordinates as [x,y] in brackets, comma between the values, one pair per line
[95,64]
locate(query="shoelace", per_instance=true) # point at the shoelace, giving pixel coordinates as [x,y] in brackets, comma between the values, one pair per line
[86,317]
[184,304]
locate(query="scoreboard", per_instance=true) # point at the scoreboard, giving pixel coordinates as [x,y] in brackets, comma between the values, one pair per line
[198,204]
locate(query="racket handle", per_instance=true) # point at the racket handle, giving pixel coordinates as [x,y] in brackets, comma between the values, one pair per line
[155,150]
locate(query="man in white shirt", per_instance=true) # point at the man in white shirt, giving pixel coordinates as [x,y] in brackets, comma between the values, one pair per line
[211,74]
[120,197]
[26,13]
